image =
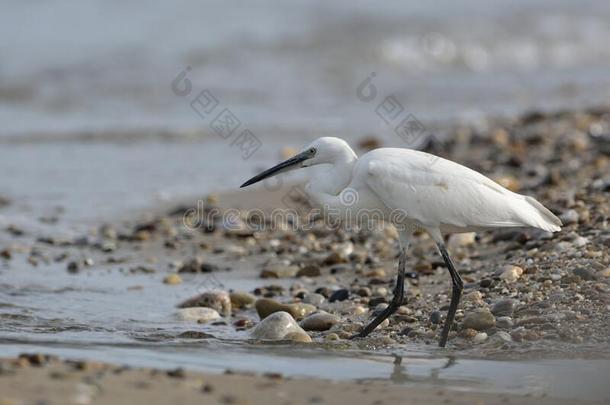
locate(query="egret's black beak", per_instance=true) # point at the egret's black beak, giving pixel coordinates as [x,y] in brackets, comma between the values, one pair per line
[280,168]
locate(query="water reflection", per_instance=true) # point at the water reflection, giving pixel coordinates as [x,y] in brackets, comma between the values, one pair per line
[400,374]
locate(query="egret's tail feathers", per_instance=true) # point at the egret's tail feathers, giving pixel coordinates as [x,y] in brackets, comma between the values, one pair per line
[544,219]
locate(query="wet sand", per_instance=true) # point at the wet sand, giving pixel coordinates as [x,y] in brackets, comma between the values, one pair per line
[77,382]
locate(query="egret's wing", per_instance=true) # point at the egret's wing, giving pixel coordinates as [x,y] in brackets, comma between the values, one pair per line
[436,191]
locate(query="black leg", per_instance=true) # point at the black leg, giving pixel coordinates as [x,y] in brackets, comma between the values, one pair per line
[399,293]
[456,293]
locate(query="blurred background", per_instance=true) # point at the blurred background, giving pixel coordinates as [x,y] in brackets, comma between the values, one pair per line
[98,99]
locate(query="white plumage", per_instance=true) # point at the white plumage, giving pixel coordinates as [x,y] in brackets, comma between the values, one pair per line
[440,193]
[429,192]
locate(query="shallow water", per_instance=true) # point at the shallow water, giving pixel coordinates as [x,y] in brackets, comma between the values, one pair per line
[103,66]
[99,315]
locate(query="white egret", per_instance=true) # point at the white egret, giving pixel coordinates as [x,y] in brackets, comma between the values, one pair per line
[432,193]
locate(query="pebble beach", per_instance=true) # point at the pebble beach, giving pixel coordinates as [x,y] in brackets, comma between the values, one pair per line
[214,270]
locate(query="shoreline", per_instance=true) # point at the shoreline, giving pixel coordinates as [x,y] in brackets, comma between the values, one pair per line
[536,296]
[31,378]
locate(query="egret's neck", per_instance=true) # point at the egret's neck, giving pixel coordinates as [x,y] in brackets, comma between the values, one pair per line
[330,179]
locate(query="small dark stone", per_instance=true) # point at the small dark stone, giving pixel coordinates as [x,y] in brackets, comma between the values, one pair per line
[309,271]
[436,317]
[373,302]
[334,258]
[584,274]
[208,267]
[341,268]
[486,283]
[503,308]
[193,334]
[37,359]
[176,373]
[6,254]
[364,292]
[198,266]
[405,331]
[338,295]
[73,267]
[325,291]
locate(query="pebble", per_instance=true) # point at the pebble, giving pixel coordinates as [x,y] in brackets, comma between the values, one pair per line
[584,273]
[503,308]
[504,322]
[531,335]
[480,337]
[339,295]
[176,373]
[356,310]
[36,359]
[218,300]
[380,291]
[475,297]
[319,321]
[504,336]
[480,319]
[486,283]
[197,265]
[194,334]
[580,241]
[73,267]
[384,324]
[461,240]
[468,333]
[436,317]
[309,271]
[532,320]
[267,306]
[376,273]
[172,279]
[364,292]
[314,299]
[199,314]
[510,273]
[6,254]
[241,299]
[334,258]
[325,291]
[279,271]
[569,217]
[279,326]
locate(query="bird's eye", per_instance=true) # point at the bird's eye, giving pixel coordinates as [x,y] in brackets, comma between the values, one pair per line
[312,151]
